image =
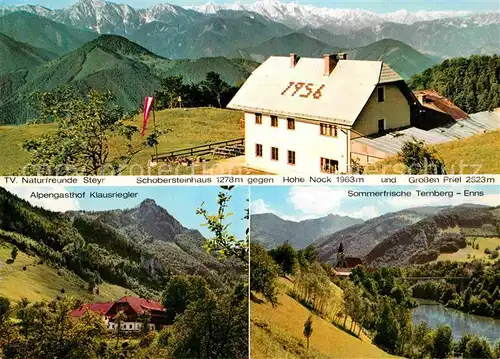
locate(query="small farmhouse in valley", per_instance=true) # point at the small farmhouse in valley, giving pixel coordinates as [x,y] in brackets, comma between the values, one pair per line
[132,307]
[301,115]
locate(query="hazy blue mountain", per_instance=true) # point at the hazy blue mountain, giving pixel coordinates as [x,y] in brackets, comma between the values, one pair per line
[43,33]
[403,59]
[272,230]
[15,55]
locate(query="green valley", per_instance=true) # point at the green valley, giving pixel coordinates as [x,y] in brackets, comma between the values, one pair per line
[109,63]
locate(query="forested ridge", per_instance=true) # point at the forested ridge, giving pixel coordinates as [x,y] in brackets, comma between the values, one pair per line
[125,255]
[426,239]
[481,295]
[473,83]
[207,308]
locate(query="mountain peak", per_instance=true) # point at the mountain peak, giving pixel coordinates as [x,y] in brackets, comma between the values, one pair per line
[93,3]
[121,45]
[148,202]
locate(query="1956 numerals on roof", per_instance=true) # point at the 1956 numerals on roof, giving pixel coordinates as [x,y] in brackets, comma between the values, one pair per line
[303,89]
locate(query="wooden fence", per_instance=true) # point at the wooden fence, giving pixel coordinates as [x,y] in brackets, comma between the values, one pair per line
[197,150]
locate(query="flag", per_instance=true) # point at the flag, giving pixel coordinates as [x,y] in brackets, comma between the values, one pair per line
[148,106]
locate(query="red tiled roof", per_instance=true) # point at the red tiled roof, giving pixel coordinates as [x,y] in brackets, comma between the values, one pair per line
[140,304]
[352,262]
[437,102]
[93,307]
[137,304]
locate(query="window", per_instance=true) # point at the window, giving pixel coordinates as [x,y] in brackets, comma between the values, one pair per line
[274,153]
[326,129]
[274,121]
[258,118]
[130,326]
[381,125]
[291,157]
[328,165]
[291,123]
[258,150]
[381,94]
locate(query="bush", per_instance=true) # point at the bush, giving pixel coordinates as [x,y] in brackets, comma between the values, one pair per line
[286,257]
[419,159]
[496,350]
[164,337]
[479,306]
[263,273]
[496,309]
[443,342]
[477,348]
[147,340]
[14,252]
[462,344]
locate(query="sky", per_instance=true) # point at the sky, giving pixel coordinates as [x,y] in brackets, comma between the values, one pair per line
[378,6]
[306,202]
[180,202]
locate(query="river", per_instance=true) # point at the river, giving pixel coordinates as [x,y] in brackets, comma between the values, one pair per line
[435,314]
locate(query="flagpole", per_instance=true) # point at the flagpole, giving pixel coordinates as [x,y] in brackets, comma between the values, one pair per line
[154,125]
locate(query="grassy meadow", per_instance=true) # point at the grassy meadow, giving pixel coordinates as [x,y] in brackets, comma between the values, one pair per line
[42,282]
[473,155]
[471,252]
[278,332]
[189,127]
[183,128]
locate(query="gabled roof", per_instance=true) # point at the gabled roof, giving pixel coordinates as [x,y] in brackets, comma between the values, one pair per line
[388,75]
[93,307]
[352,262]
[435,101]
[137,304]
[140,304]
[343,94]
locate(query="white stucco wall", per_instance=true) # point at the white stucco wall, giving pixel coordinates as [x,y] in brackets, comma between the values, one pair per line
[128,326]
[307,142]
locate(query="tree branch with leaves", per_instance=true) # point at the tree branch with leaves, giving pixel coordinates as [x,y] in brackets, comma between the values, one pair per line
[224,244]
[82,142]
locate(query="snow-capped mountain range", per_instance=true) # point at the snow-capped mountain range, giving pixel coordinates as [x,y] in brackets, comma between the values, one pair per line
[101,14]
[219,30]
[298,15]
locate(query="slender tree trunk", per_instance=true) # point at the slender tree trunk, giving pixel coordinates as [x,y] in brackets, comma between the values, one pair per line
[307,343]
[345,320]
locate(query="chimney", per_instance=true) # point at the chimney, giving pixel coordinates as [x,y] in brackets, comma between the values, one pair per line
[293,60]
[330,62]
[342,56]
